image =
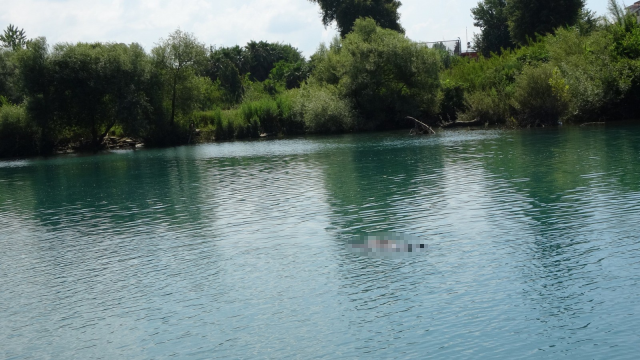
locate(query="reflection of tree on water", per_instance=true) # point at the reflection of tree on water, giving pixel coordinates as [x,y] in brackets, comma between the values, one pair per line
[120,189]
[103,233]
[369,183]
[565,181]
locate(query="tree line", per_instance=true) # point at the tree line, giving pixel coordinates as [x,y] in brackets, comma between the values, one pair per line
[52,96]
[571,67]
[543,62]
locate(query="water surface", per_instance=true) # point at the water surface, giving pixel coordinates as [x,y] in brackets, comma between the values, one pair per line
[238,250]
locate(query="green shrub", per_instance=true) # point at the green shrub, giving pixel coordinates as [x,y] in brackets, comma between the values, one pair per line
[205,119]
[322,110]
[540,96]
[597,81]
[487,106]
[289,122]
[263,112]
[452,101]
[18,135]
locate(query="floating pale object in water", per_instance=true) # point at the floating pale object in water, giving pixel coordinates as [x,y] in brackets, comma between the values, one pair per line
[387,245]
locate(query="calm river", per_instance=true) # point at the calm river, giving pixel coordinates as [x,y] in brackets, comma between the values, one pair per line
[239,250]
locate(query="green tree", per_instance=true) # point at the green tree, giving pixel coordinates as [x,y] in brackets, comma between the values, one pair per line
[264,56]
[292,75]
[13,38]
[384,75]
[255,61]
[9,76]
[530,17]
[180,57]
[346,12]
[491,17]
[98,86]
[37,79]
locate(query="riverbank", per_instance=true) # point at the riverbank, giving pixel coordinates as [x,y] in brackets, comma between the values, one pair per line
[203,137]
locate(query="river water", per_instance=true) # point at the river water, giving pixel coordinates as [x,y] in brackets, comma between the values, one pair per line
[238,250]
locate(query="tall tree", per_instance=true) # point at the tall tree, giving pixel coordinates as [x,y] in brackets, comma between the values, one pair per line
[9,76]
[180,56]
[382,73]
[264,56]
[37,74]
[346,12]
[491,17]
[97,86]
[13,38]
[530,17]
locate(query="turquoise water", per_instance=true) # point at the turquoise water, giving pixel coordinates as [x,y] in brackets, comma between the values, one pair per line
[240,250]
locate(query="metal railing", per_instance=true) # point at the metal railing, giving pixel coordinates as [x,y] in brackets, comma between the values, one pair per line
[454,47]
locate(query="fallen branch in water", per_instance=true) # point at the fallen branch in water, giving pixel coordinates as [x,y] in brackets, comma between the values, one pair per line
[418,130]
[456,124]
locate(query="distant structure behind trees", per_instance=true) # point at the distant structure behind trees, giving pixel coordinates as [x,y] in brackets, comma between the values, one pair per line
[635,10]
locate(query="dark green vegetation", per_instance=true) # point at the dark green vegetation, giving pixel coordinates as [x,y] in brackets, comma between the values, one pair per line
[345,12]
[530,17]
[13,38]
[75,95]
[491,17]
[588,72]
[571,67]
[505,24]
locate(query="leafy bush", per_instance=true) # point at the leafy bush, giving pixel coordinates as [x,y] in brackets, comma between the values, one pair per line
[263,112]
[540,96]
[18,135]
[206,119]
[322,110]
[487,106]
[452,101]
[289,122]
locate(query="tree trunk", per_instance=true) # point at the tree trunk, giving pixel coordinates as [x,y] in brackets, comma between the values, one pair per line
[106,132]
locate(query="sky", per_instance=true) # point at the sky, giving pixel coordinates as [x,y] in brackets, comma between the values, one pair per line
[223,22]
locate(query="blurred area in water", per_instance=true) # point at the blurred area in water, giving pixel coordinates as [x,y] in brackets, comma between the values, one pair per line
[387,245]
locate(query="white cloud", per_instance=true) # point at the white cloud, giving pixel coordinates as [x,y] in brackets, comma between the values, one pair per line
[220,22]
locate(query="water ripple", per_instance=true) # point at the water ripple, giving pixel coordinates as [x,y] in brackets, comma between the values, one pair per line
[239,250]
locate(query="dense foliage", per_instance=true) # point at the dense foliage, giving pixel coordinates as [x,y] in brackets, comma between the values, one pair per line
[346,12]
[53,97]
[13,38]
[491,17]
[384,75]
[530,17]
[505,23]
[76,95]
[573,75]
